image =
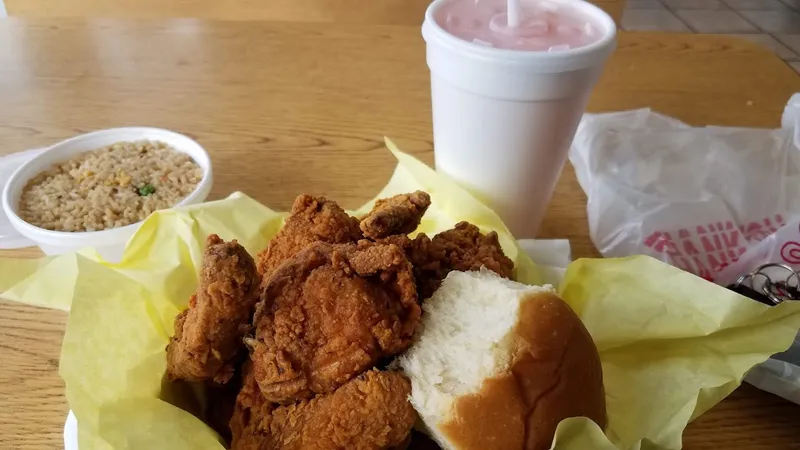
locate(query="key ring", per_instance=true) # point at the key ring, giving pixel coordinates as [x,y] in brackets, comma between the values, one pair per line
[766,288]
[775,292]
[749,276]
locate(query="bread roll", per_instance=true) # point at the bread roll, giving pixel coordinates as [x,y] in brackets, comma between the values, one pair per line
[498,364]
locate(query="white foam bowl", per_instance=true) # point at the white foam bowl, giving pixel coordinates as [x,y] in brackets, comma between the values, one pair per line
[108,243]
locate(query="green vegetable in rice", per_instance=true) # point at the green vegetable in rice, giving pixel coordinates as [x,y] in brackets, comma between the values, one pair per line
[146,190]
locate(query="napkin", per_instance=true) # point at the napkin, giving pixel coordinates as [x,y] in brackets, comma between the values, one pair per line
[672,345]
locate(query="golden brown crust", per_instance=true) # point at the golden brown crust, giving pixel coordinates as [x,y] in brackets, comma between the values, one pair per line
[250,411]
[312,219]
[208,334]
[328,314]
[556,374]
[370,412]
[463,248]
[400,214]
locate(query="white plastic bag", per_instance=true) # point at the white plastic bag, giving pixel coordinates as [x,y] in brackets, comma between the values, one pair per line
[717,202]
[782,247]
[693,197]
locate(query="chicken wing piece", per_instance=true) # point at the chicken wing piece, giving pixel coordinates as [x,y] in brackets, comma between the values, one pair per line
[330,313]
[370,412]
[311,219]
[462,248]
[400,214]
[208,335]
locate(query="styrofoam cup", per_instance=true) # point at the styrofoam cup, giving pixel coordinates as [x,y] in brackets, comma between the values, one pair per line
[503,120]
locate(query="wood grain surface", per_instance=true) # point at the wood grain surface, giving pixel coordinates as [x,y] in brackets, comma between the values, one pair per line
[381,12]
[286,108]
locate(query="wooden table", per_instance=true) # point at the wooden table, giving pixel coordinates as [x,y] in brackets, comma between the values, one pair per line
[286,108]
[383,12]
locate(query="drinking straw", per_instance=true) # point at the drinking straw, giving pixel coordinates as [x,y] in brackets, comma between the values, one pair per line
[513,13]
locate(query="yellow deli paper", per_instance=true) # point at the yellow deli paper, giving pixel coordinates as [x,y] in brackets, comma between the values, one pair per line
[672,345]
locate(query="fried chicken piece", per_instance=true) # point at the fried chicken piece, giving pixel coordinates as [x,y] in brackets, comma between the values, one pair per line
[369,412]
[312,219]
[400,214]
[462,248]
[250,409]
[208,334]
[330,313]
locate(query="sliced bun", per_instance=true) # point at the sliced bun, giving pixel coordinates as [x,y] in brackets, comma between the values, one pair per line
[498,364]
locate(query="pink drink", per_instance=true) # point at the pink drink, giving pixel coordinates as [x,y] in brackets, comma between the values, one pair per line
[506,101]
[544,25]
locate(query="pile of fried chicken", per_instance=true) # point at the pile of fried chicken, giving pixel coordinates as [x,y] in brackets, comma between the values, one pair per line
[299,336]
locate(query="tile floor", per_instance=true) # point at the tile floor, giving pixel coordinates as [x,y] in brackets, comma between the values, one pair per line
[775,24]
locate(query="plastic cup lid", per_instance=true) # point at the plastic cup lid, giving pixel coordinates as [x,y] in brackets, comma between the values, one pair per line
[9,237]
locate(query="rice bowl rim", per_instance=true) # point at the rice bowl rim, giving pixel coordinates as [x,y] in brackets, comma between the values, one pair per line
[68,149]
